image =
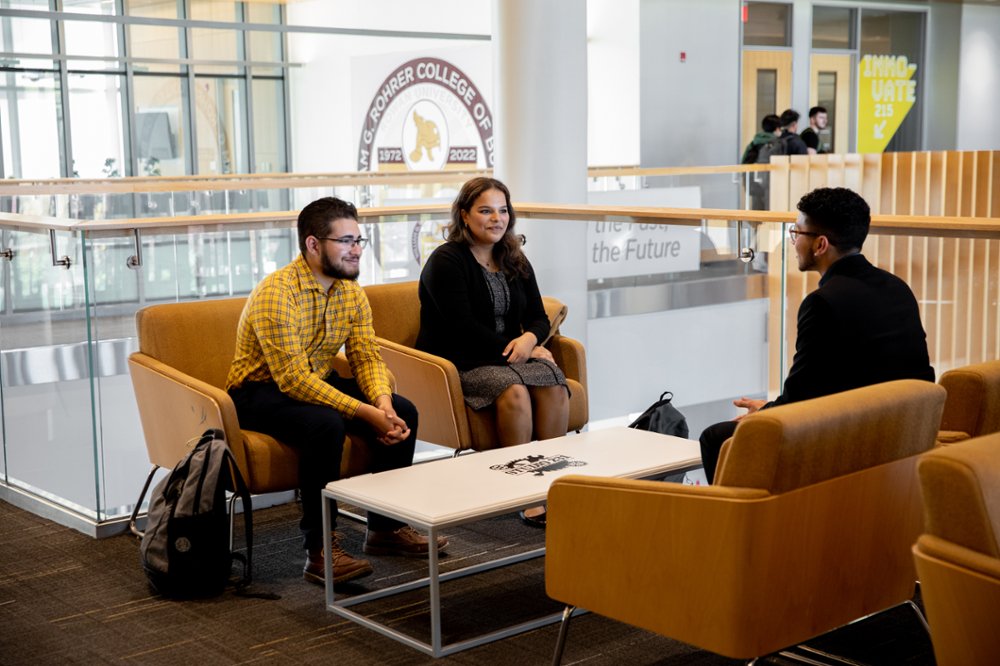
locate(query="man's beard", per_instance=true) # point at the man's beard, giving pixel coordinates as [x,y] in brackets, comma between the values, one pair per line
[337,273]
[806,264]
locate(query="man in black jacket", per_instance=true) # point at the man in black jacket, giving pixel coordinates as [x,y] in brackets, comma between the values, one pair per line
[794,145]
[860,327]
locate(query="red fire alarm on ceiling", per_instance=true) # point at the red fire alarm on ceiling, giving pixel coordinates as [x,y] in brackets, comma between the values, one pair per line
[684,56]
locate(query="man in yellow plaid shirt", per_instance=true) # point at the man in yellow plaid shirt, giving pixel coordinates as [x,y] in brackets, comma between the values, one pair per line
[283,382]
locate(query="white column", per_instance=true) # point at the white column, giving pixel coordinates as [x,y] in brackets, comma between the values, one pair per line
[801,59]
[540,73]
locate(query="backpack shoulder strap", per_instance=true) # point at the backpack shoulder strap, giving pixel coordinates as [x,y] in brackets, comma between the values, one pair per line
[241,491]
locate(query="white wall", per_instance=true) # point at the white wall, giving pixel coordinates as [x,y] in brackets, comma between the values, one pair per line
[689,112]
[979,80]
[324,131]
[451,16]
[612,82]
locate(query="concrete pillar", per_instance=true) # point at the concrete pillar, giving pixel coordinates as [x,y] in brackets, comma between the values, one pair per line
[540,73]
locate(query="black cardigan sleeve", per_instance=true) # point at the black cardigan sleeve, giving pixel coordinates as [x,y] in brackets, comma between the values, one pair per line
[456,311]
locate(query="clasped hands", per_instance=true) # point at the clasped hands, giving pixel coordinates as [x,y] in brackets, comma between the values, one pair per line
[382,417]
[524,347]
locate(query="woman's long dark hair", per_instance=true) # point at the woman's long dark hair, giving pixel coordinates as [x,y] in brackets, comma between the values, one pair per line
[507,251]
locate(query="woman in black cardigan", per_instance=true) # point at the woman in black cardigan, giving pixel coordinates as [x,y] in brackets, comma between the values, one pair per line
[480,308]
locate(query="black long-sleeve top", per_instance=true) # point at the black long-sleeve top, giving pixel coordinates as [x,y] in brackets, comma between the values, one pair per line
[456,310]
[860,327]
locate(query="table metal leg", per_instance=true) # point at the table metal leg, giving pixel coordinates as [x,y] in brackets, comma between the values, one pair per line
[327,550]
[435,647]
[435,591]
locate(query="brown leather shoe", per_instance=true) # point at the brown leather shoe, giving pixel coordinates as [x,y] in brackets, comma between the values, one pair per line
[345,567]
[405,541]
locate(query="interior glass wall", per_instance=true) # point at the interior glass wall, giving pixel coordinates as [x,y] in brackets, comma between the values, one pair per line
[767,24]
[899,34]
[68,332]
[97,124]
[30,122]
[195,120]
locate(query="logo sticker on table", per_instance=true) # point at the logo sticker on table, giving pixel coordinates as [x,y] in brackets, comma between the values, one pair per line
[537,465]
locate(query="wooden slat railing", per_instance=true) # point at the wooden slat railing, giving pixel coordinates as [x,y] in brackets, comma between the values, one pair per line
[956,280]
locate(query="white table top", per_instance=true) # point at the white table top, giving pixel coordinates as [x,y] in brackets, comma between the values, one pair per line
[477,485]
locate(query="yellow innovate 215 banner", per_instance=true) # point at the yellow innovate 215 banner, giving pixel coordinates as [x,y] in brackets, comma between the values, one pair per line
[886,93]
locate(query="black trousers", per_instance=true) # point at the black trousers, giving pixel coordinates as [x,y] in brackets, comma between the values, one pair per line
[712,439]
[317,432]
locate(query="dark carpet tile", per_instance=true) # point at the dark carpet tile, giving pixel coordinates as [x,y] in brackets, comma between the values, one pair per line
[68,599]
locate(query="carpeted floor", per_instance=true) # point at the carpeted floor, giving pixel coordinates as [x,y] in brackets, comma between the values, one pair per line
[68,599]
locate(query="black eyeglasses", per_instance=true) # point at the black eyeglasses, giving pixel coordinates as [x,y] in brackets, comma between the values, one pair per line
[794,233]
[346,240]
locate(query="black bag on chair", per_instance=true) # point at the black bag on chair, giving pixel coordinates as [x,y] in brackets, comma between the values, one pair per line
[662,417]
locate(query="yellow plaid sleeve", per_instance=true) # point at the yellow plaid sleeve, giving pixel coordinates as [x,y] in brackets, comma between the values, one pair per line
[370,371]
[275,319]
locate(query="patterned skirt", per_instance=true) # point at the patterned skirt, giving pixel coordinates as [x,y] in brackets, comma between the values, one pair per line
[484,384]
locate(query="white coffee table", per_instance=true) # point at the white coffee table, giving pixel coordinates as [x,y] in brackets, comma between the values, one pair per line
[447,493]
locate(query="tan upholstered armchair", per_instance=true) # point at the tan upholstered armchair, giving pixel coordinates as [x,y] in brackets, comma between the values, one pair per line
[973,405]
[179,377]
[958,556]
[808,527]
[432,382]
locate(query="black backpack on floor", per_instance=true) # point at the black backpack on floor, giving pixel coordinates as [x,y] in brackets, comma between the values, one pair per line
[662,417]
[185,548]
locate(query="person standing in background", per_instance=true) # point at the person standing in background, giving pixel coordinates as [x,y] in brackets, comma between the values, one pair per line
[768,132]
[793,143]
[810,136]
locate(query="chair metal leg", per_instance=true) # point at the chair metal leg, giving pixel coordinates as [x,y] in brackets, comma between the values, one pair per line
[828,657]
[812,662]
[232,519]
[563,630]
[138,503]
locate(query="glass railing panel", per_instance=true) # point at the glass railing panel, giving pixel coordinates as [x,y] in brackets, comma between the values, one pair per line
[701,307]
[189,264]
[124,198]
[45,372]
[177,264]
[709,187]
[678,307]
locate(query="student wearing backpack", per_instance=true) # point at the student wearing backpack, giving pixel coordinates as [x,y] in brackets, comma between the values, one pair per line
[786,143]
[769,130]
[792,143]
[283,382]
